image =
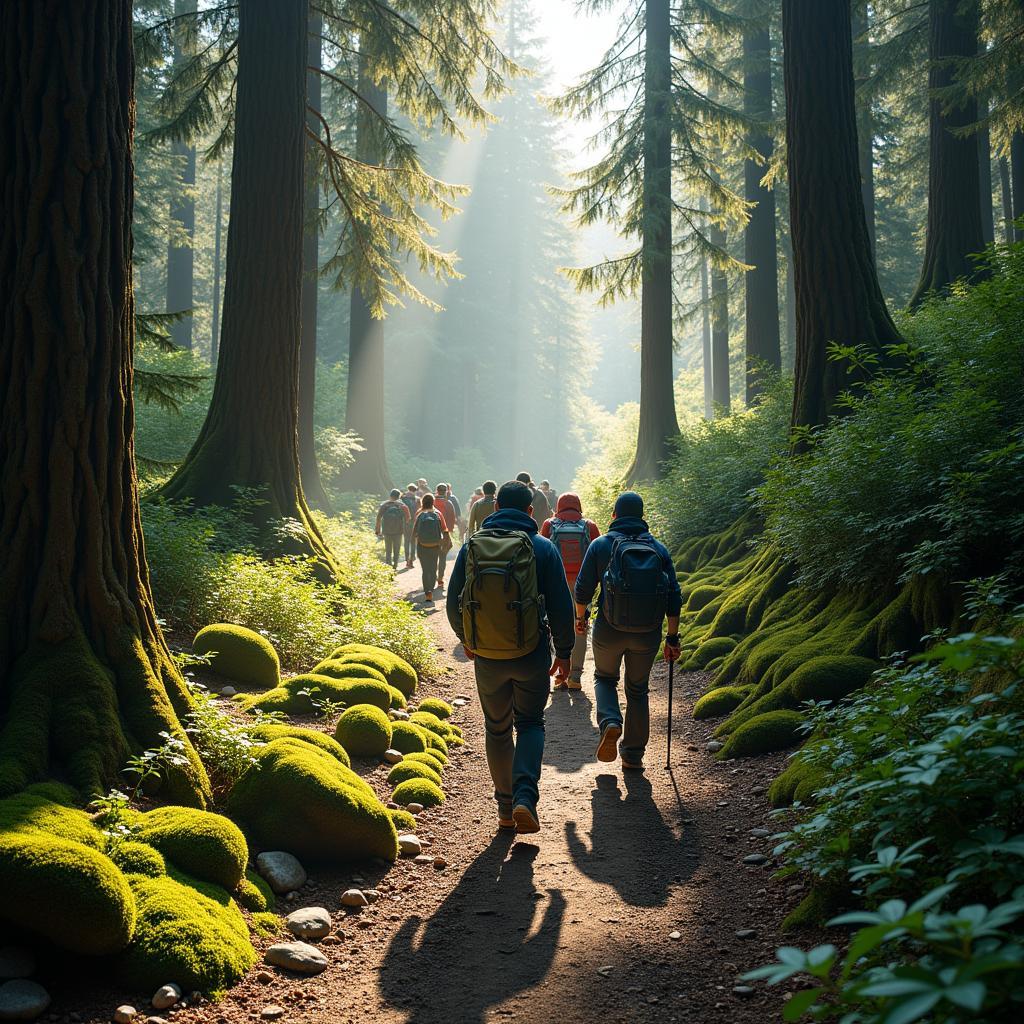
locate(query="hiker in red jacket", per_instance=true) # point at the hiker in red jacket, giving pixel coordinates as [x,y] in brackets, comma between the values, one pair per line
[571,534]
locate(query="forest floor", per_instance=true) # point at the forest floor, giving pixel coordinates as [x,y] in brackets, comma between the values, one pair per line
[632,904]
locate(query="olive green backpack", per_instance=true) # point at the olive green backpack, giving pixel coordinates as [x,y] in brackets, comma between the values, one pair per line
[501,610]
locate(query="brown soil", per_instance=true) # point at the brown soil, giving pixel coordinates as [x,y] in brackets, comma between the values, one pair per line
[572,925]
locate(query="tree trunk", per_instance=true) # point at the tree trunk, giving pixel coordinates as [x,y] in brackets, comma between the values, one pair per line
[249,439]
[789,354]
[988,221]
[85,675]
[364,408]
[658,423]
[1007,199]
[1017,181]
[215,325]
[705,338]
[954,231]
[865,135]
[183,219]
[761,291]
[836,287]
[720,390]
[312,485]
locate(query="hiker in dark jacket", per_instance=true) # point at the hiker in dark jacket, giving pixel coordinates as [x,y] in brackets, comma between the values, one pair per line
[615,649]
[514,692]
[430,532]
[392,518]
[541,507]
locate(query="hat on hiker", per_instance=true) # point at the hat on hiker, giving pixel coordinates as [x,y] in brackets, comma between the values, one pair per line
[629,504]
[569,502]
[395,493]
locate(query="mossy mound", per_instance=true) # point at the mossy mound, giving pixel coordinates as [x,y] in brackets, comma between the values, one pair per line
[426,720]
[701,596]
[402,820]
[829,677]
[337,668]
[187,930]
[720,701]
[291,699]
[407,738]
[301,799]
[398,671]
[436,707]
[254,894]
[138,859]
[431,758]
[418,791]
[716,647]
[434,742]
[364,731]
[240,654]
[268,731]
[775,730]
[798,783]
[405,770]
[204,845]
[398,700]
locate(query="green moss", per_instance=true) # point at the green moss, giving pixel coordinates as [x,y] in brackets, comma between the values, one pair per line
[716,647]
[407,738]
[364,731]
[775,730]
[412,770]
[829,677]
[204,845]
[336,668]
[436,707]
[418,791]
[266,925]
[240,654]
[714,664]
[279,730]
[290,698]
[398,671]
[138,859]
[720,702]
[701,596]
[403,820]
[798,782]
[817,907]
[431,758]
[254,894]
[426,720]
[398,700]
[189,931]
[299,798]
[434,742]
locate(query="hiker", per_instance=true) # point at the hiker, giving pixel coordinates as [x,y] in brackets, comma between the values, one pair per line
[508,601]
[572,535]
[639,590]
[457,508]
[443,504]
[411,501]
[429,531]
[392,517]
[549,494]
[475,497]
[422,488]
[482,509]
[541,508]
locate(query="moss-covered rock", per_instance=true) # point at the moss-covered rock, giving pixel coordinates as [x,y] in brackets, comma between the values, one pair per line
[437,707]
[829,677]
[434,742]
[407,738]
[426,720]
[798,783]
[716,647]
[398,671]
[240,654]
[418,791]
[720,701]
[412,770]
[254,894]
[701,596]
[364,731]
[295,695]
[774,730]
[398,700]
[135,858]
[301,799]
[338,668]
[187,930]
[431,758]
[403,820]
[267,731]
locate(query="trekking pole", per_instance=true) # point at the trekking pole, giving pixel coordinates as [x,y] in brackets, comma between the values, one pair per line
[671,679]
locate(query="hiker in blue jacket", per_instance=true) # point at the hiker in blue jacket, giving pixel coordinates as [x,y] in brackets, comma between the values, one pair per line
[514,690]
[639,591]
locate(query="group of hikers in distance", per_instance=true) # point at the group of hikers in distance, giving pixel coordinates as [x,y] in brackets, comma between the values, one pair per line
[519,601]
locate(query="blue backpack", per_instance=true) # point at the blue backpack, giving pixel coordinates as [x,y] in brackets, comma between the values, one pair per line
[634,588]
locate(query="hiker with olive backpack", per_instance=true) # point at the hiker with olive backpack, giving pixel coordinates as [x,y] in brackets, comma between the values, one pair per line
[508,603]
[430,531]
[392,517]
[639,591]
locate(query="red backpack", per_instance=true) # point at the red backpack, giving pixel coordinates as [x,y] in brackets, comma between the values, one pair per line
[572,538]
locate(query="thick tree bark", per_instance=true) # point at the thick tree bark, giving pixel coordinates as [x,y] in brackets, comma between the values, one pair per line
[988,221]
[836,287]
[705,338]
[720,385]
[1006,199]
[364,408]
[183,220]
[219,216]
[85,675]
[312,485]
[865,134]
[761,284]
[249,439]
[1017,180]
[954,231]
[658,423]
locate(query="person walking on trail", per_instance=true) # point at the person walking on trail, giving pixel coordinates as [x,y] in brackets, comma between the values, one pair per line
[639,590]
[430,532]
[541,508]
[572,536]
[392,517]
[444,505]
[508,603]
[475,497]
[411,501]
[457,508]
[549,494]
[482,509]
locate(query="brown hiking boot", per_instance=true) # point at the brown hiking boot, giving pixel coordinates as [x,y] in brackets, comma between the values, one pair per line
[525,819]
[608,748]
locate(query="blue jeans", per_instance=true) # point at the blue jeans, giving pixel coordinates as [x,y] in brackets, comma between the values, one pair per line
[513,695]
[634,652]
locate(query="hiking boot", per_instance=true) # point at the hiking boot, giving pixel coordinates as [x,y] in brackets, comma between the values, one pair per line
[428,597]
[525,819]
[575,681]
[440,584]
[608,748]
[560,684]
[506,824]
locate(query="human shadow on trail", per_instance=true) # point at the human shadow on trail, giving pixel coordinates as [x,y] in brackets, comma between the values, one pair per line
[632,847]
[493,937]
[570,734]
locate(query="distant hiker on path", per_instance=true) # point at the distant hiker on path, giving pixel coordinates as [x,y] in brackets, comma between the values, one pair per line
[447,510]
[411,500]
[482,508]
[550,495]
[430,533]
[457,508]
[639,590]
[541,507]
[392,518]
[505,577]
[572,535]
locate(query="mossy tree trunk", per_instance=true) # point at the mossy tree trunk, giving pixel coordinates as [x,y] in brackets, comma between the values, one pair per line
[1017,182]
[836,288]
[250,438]
[85,674]
[954,231]
[658,422]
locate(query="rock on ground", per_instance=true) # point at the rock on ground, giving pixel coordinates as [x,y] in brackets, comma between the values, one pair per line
[296,956]
[166,996]
[21,999]
[282,871]
[309,923]
[124,1014]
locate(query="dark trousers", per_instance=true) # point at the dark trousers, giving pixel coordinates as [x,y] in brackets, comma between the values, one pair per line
[410,547]
[392,548]
[428,564]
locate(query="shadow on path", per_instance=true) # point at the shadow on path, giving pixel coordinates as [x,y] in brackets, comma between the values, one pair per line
[570,734]
[632,847]
[493,937]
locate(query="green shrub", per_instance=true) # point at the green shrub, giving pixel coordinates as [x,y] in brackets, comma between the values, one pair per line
[364,731]
[398,700]
[412,770]
[425,720]
[135,858]
[239,654]
[722,701]
[395,670]
[298,695]
[436,707]
[402,820]
[431,758]
[407,738]
[434,742]
[336,668]
[829,677]
[267,731]
[768,732]
[418,791]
